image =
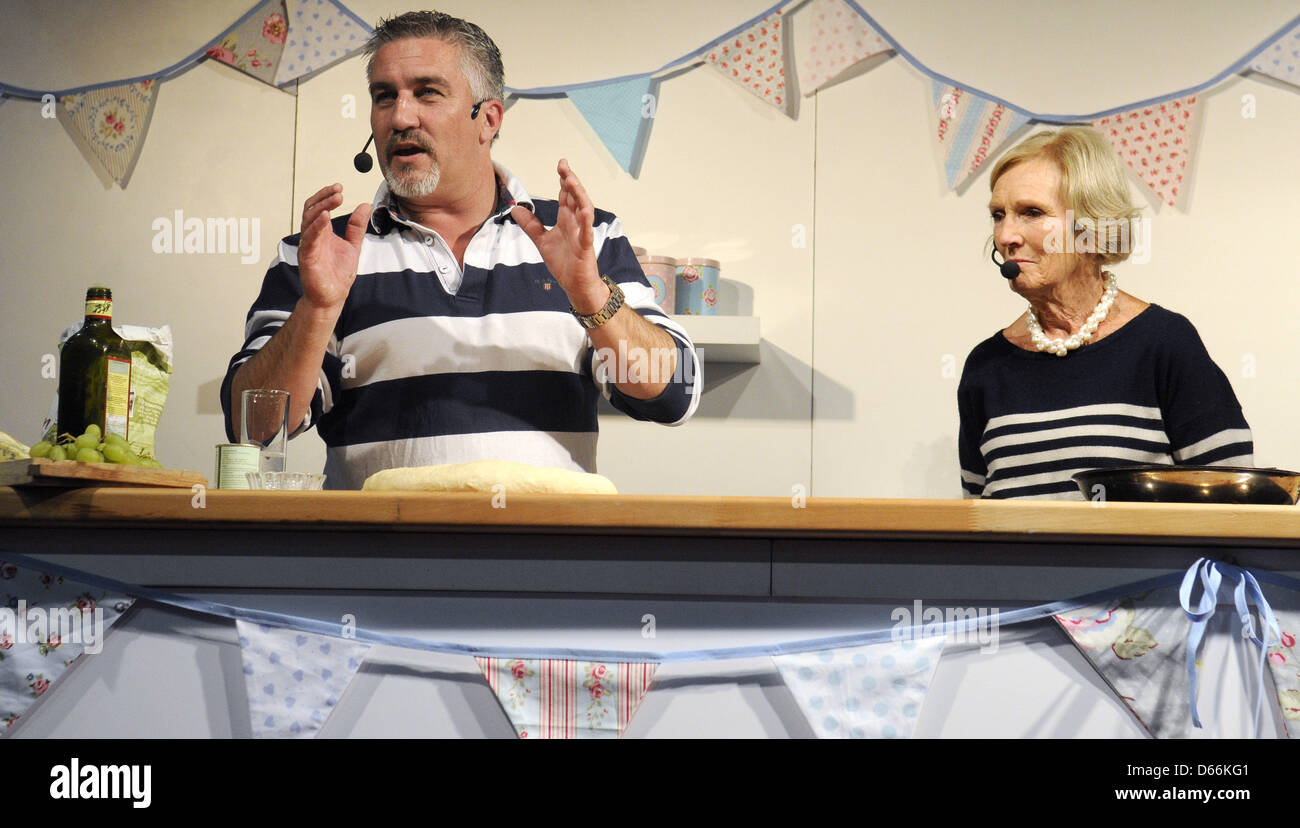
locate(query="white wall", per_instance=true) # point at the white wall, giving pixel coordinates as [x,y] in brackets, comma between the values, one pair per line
[851,397]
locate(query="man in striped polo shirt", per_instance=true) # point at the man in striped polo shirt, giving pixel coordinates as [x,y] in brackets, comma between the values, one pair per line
[455,318]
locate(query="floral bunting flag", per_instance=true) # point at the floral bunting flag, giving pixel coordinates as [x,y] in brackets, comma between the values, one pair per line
[1284,662]
[109,124]
[970,130]
[839,38]
[294,679]
[554,699]
[1138,646]
[46,623]
[756,60]
[1156,141]
[621,114]
[1281,58]
[870,692]
[255,46]
[321,33]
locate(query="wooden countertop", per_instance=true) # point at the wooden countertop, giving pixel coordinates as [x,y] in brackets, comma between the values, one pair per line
[653,514]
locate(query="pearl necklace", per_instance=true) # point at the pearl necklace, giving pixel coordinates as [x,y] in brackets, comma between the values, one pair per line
[1061,346]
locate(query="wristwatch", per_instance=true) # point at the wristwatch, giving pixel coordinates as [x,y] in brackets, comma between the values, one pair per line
[606,313]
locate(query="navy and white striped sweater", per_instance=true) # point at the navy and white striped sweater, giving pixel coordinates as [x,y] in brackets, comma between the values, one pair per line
[432,364]
[1148,393]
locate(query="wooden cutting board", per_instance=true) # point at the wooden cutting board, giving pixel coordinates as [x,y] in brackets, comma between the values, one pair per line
[41,471]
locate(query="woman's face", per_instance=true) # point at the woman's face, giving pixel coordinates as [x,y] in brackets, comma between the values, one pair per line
[1029,227]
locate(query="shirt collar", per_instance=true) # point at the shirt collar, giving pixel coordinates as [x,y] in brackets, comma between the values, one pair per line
[385,211]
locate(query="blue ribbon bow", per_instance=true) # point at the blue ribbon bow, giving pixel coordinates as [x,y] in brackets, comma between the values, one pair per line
[1210,574]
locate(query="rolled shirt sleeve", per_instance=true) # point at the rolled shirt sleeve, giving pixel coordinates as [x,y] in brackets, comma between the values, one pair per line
[681,397]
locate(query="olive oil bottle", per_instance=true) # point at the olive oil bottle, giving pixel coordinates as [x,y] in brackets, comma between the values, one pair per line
[95,372]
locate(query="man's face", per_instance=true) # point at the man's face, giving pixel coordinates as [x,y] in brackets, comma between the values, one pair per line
[419,114]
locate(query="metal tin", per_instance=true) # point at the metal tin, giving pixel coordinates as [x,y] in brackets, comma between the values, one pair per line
[234,461]
[661,273]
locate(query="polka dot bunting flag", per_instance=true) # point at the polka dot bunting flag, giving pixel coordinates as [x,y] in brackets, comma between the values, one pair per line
[871,692]
[1281,58]
[756,60]
[1156,142]
[320,34]
[294,679]
[840,38]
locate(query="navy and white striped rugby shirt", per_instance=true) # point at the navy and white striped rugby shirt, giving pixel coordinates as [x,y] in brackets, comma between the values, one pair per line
[430,364]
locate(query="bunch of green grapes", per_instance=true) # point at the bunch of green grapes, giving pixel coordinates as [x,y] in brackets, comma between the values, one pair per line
[93,447]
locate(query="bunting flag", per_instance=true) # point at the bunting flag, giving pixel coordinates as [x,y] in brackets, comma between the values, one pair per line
[840,38]
[294,679]
[321,33]
[1156,141]
[970,130]
[554,699]
[621,113]
[254,46]
[46,623]
[1284,663]
[756,60]
[1281,58]
[109,124]
[871,692]
[1138,646]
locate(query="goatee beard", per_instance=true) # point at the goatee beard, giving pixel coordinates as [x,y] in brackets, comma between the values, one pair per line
[413,185]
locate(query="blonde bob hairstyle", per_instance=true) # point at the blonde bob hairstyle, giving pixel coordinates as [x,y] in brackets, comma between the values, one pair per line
[1093,184]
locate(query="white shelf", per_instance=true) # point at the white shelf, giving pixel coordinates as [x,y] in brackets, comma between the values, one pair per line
[724,338]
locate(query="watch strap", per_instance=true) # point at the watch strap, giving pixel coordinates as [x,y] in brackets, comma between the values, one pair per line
[606,313]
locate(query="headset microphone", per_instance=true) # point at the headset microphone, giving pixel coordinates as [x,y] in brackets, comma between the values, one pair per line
[362,160]
[1010,270]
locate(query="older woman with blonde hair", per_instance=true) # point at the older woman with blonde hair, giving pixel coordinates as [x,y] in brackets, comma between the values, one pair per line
[1088,376]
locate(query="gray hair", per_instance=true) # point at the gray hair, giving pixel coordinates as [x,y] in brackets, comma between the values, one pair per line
[480,59]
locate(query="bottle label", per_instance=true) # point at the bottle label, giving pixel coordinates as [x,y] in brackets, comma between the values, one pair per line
[99,308]
[117,397]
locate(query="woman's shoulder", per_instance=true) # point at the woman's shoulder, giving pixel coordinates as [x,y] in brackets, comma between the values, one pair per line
[993,347]
[1163,323]
[987,359]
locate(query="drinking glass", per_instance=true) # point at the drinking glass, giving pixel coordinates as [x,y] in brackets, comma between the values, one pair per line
[264,422]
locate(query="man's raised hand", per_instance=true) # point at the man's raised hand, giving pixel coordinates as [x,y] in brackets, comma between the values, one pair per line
[327,264]
[568,248]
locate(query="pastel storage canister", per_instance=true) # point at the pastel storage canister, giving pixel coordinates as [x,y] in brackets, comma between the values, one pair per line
[661,273]
[697,287]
